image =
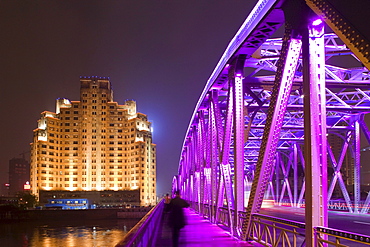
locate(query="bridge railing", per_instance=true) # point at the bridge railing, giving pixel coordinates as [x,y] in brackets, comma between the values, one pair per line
[144,233]
[273,231]
[335,237]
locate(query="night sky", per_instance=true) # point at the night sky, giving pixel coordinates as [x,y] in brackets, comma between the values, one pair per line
[157,52]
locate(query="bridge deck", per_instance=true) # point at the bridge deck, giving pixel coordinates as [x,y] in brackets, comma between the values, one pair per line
[199,232]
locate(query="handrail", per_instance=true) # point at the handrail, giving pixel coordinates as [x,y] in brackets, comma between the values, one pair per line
[340,235]
[144,233]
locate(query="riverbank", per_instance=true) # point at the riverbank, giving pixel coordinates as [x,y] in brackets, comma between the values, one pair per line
[85,214]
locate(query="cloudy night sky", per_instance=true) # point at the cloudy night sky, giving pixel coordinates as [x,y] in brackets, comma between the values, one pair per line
[157,52]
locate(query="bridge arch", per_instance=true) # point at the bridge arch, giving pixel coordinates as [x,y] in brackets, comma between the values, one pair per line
[270,113]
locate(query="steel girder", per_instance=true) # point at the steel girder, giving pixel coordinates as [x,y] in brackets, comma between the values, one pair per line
[316,203]
[244,127]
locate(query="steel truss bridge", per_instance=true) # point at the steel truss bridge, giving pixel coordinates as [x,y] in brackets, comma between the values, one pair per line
[279,118]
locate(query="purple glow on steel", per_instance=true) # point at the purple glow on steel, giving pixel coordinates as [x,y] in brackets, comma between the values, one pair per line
[317,22]
[255,16]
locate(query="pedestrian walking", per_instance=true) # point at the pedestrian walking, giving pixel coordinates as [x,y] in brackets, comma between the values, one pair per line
[177,217]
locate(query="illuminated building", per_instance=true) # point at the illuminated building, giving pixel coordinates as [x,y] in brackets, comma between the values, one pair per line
[94,144]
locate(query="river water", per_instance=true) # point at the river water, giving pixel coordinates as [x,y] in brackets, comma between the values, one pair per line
[98,233]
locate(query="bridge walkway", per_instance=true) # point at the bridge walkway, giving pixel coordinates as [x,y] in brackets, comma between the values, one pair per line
[198,232]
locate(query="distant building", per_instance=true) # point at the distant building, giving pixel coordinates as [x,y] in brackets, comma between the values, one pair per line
[68,203]
[365,166]
[94,144]
[95,199]
[19,175]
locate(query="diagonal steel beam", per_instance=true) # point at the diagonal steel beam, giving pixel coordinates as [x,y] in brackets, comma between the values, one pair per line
[279,100]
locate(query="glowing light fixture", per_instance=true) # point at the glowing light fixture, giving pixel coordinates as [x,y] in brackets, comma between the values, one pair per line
[27,186]
[317,22]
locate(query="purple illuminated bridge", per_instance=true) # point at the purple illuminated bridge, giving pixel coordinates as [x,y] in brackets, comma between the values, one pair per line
[283,120]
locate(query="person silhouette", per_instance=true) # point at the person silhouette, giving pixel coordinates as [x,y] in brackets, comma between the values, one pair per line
[177,217]
[167,200]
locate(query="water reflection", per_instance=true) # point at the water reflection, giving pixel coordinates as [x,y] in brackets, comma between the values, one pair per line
[98,233]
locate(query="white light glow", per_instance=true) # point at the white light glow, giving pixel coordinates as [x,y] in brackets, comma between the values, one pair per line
[42,136]
[46,188]
[317,22]
[139,139]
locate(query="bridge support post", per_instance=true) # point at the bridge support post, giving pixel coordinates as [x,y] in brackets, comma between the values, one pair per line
[313,54]
[357,174]
[238,106]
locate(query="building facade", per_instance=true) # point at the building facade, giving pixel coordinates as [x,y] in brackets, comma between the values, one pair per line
[94,144]
[19,175]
